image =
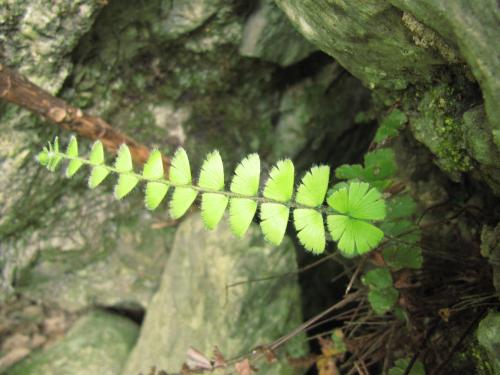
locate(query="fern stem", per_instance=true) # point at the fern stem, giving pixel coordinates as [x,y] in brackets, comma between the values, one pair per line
[259,199]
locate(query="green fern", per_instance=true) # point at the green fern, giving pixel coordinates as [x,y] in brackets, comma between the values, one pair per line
[349,210]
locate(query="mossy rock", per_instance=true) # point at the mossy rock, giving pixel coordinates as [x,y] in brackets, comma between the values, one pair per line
[98,343]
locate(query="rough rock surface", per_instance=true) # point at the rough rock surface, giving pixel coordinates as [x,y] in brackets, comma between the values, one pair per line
[195,307]
[488,335]
[266,28]
[443,48]
[473,28]
[368,38]
[98,343]
[174,78]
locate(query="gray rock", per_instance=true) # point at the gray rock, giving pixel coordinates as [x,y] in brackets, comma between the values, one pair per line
[195,307]
[268,35]
[473,27]
[183,16]
[37,37]
[367,37]
[316,110]
[120,266]
[481,146]
[490,248]
[488,335]
[98,343]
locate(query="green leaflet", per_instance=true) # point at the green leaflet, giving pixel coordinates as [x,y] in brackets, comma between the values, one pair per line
[180,171]
[377,278]
[313,187]
[380,167]
[350,172]
[403,256]
[126,182]
[212,172]
[310,229]
[401,365]
[354,236]
[123,162]
[400,206]
[274,220]
[55,159]
[279,186]
[154,195]
[247,176]
[153,169]
[382,294]
[382,300]
[96,155]
[49,157]
[155,191]
[72,151]
[212,178]
[182,199]
[212,208]
[358,201]
[390,125]
[241,213]
[245,182]
[99,171]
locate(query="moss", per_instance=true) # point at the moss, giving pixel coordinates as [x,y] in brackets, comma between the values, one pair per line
[438,124]
[471,360]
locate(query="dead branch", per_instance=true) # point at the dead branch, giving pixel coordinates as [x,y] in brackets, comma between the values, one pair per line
[18,90]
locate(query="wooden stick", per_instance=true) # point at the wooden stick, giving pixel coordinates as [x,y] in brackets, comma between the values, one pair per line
[18,90]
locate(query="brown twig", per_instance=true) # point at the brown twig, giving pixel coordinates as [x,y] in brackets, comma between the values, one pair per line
[18,90]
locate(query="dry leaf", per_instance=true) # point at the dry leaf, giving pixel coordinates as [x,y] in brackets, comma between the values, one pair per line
[327,366]
[219,360]
[197,361]
[243,367]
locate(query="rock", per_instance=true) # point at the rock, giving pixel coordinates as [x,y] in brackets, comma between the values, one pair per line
[37,37]
[471,26]
[123,271]
[181,17]
[368,38]
[316,110]
[490,248]
[437,125]
[98,343]
[268,35]
[488,335]
[195,307]
[481,146]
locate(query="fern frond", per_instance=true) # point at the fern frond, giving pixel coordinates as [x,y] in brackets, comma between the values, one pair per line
[355,204]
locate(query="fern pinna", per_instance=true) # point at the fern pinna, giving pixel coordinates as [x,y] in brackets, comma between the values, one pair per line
[349,209]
